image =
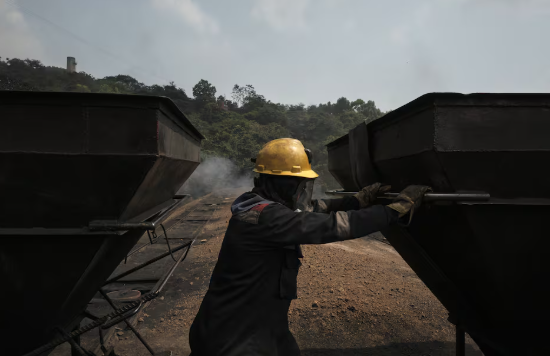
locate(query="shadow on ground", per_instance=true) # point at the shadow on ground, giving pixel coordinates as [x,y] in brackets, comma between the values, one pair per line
[433,348]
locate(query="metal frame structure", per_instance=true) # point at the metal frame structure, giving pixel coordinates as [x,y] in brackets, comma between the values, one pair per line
[122,314]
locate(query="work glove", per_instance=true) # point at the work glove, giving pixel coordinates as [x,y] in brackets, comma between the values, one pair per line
[409,200]
[367,195]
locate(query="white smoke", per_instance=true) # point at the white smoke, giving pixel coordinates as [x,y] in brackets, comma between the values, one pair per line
[216,173]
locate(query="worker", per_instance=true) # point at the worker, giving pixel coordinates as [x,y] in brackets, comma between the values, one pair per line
[245,310]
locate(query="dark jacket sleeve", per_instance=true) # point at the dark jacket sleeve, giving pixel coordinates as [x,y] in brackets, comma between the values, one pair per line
[286,227]
[329,205]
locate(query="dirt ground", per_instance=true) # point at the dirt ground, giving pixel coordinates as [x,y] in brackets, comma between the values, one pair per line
[354,298]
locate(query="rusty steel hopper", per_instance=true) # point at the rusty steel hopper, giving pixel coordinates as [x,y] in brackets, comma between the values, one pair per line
[70,161]
[485,261]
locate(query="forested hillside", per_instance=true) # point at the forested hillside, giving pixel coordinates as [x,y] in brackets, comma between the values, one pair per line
[235,127]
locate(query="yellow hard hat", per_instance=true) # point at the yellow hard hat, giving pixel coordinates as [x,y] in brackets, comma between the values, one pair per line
[284,157]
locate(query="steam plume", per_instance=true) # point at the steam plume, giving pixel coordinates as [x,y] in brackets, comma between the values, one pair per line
[216,173]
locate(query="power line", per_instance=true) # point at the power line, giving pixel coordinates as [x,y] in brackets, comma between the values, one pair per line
[18,7]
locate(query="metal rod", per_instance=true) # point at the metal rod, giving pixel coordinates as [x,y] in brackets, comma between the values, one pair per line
[171,208]
[130,271]
[114,225]
[89,315]
[428,196]
[182,257]
[106,225]
[102,341]
[448,197]
[76,349]
[460,341]
[115,321]
[138,335]
[58,341]
[141,247]
[167,242]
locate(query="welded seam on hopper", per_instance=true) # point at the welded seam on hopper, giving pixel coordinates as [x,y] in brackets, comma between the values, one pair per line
[86,119]
[434,149]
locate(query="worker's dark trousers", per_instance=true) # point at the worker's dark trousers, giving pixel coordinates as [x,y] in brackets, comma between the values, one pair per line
[287,347]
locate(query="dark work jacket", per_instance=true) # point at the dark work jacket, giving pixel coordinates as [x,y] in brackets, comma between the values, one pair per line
[245,311]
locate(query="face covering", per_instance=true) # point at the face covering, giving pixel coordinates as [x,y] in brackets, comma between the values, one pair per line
[303,195]
[277,188]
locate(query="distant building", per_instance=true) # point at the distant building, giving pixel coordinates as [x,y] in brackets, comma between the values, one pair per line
[71,65]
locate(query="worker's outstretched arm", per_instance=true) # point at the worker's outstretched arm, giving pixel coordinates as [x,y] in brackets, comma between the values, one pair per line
[287,227]
[279,226]
[326,206]
[274,225]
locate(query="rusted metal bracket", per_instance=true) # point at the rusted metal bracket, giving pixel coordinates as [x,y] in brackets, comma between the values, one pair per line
[114,225]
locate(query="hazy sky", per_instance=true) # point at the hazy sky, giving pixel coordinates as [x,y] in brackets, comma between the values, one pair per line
[292,51]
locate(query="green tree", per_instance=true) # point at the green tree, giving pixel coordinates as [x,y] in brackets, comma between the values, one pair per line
[320,125]
[268,114]
[124,83]
[350,119]
[342,105]
[356,105]
[106,88]
[240,93]
[247,97]
[370,111]
[204,92]
[82,89]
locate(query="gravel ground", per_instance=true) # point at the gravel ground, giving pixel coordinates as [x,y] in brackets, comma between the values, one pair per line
[354,298]
[359,297]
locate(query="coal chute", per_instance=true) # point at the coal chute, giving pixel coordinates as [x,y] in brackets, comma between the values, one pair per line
[485,261]
[68,160]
